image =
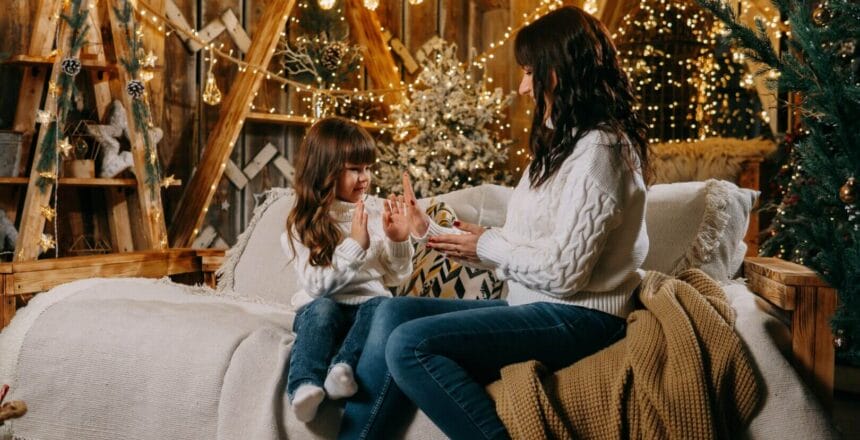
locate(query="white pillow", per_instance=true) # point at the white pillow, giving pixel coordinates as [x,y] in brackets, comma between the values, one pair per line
[256,266]
[698,225]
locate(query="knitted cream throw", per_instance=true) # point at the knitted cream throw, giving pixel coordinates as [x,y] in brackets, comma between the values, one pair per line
[681,373]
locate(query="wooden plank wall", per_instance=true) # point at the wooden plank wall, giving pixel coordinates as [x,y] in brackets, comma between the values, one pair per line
[187,121]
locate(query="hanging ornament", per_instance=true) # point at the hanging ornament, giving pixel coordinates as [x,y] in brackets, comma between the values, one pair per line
[169,180]
[146,75]
[44,117]
[46,242]
[821,14]
[326,4]
[50,175]
[48,212]
[839,341]
[71,66]
[149,60]
[848,192]
[211,94]
[371,4]
[53,89]
[332,55]
[65,147]
[135,88]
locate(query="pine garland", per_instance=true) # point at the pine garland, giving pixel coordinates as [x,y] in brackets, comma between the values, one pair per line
[822,65]
[76,21]
[139,106]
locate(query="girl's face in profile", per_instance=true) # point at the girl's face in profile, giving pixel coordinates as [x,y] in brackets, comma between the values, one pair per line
[353,182]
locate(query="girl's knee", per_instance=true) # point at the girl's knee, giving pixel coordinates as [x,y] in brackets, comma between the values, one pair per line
[321,307]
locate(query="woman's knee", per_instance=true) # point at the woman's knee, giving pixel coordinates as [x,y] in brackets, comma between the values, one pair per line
[401,349]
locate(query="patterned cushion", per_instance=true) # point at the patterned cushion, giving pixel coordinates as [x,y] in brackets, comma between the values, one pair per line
[436,276]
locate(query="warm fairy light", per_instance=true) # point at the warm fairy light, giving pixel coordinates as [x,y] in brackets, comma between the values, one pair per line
[371,4]
[326,4]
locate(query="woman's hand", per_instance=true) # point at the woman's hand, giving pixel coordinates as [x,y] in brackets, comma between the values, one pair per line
[460,246]
[418,221]
[395,221]
[359,226]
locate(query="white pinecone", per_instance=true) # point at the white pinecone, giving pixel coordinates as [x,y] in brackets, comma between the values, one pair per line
[332,56]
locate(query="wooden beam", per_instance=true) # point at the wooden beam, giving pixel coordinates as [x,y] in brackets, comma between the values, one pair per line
[119,223]
[153,41]
[197,197]
[381,68]
[33,81]
[151,220]
[32,222]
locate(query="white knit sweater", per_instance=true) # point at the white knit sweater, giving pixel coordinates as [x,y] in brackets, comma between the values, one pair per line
[355,275]
[578,239]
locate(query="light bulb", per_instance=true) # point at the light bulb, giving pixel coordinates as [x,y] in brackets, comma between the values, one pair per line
[326,4]
[371,4]
[416,2]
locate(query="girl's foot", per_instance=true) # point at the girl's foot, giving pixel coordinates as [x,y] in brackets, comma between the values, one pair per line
[340,383]
[306,401]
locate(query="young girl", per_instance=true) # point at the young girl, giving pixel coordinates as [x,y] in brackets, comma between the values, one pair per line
[346,250]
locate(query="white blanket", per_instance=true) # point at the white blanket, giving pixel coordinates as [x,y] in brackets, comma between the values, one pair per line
[151,347]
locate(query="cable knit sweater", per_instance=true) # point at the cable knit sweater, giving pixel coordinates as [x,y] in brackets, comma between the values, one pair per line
[578,239]
[355,275]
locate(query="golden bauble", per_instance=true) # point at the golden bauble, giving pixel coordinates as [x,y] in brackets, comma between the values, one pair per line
[848,192]
[821,14]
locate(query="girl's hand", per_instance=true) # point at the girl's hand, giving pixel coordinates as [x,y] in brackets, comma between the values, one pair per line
[418,221]
[395,220]
[459,246]
[359,226]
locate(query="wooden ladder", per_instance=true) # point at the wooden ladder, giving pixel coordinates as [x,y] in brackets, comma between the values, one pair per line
[146,228]
[381,69]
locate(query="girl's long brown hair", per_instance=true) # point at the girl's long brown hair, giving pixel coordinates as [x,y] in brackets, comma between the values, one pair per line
[329,145]
[592,92]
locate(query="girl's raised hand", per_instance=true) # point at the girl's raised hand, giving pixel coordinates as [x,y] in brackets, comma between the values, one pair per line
[395,221]
[418,221]
[359,226]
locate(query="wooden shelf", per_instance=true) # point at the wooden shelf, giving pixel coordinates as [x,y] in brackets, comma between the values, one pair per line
[302,121]
[78,181]
[86,64]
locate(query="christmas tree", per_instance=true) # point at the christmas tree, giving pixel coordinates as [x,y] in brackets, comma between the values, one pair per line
[820,214]
[689,84]
[445,137]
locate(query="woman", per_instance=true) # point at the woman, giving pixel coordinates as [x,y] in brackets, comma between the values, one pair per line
[570,250]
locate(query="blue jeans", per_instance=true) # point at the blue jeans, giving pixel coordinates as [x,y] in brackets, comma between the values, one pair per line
[321,326]
[444,362]
[380,410]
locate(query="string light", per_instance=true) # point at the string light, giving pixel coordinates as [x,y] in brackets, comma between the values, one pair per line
[326,4]
[371,4]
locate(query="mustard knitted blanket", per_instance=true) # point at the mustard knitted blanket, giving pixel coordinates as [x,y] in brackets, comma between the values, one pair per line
[680,373]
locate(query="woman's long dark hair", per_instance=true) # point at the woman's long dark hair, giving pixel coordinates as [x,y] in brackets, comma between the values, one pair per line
[591,92]
[328,146]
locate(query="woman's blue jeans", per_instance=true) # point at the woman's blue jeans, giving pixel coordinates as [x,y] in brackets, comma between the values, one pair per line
[322,326]
[442,362]
[380,410]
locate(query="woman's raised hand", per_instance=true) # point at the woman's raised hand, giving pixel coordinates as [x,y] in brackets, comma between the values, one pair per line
[418,221]
[359,226]
[395,220]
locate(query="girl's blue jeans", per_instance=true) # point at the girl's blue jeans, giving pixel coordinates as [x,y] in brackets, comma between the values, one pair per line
[327,333]
[441,354]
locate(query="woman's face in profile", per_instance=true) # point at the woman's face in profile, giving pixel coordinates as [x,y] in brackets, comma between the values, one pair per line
[526,83]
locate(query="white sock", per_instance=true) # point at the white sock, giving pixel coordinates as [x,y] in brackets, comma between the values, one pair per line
[340,383]
[306,401]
